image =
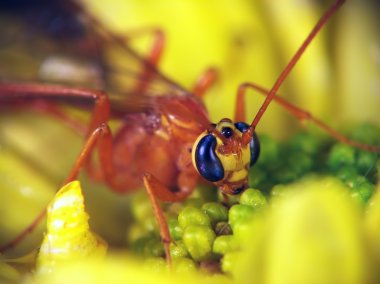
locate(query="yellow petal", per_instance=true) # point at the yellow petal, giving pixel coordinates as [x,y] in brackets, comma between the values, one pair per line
[8,274]
[68,235]
[119,269]
[372,228]
[311,235]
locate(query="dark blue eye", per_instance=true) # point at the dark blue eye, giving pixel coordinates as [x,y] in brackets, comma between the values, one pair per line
[242,126]
[207,163]
[227,132]
[254,145]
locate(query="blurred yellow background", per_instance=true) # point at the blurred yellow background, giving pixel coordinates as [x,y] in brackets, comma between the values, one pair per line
[338,78]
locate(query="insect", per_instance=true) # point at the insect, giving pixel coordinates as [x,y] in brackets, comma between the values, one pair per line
[166,141]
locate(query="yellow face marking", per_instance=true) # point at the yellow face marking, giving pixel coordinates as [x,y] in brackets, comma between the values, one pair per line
[224,123]
[236,164]
[236,161]
[238,175]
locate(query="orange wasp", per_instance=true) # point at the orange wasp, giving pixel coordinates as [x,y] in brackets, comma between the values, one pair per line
[166,141]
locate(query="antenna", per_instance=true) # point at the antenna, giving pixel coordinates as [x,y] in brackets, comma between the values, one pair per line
[284,74]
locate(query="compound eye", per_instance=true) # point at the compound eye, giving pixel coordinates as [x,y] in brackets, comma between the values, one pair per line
[254,144]
[227,132]
[206,161]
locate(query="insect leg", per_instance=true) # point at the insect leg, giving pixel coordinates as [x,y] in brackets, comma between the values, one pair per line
[162,192]
[156,190]
[99,133]
[34,92]
[205,81]
[102,138]
[299,113]
[157,47]
[152,184]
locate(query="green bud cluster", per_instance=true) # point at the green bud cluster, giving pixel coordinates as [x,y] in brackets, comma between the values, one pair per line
[204,229]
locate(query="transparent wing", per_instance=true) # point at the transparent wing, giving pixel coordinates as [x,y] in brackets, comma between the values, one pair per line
[82,52]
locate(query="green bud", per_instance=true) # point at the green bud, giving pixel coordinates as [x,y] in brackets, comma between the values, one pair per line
[175,229]
[345,173]
[253,198]
[184,265]
[355,181]
[341,155]
[178,249]
[366,161]
[199,240]
[301,163]
[224,244]
[139,244]
[193,216]
[154,247]
[363,192]
[305,143]
[240,213]
[216,212]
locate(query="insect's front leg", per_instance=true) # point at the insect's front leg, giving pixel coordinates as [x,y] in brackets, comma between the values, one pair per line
[152,186]
[25,92]
[156,190]
[99,134]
